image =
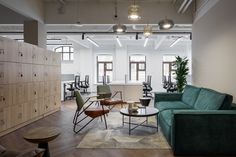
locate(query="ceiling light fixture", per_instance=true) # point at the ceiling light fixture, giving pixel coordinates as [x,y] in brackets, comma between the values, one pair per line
[166,24]
[119,28]
[133,12]
[147,31]
[118,41]
[92,41]
[145,42]
[176,41]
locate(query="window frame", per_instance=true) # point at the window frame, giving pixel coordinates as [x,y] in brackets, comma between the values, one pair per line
[62,52]
[170,70]
[104,67]
[137,63]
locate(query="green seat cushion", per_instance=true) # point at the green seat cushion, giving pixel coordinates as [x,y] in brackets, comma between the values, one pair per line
[209,100]
[165,120]
[190,94]
[166,105]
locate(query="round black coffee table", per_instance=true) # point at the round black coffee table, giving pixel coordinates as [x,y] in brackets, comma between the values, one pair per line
[141,112]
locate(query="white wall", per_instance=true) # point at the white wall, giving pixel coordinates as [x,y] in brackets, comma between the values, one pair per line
[85,61]
[213,48]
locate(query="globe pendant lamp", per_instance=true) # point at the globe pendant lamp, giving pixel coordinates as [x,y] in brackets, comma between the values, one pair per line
[119,28]
[166,24]
[133,12]
[147,31]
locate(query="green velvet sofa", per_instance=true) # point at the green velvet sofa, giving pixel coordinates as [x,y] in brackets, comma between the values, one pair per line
[199,121]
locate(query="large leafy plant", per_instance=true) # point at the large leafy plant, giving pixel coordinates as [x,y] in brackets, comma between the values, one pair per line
[182,70]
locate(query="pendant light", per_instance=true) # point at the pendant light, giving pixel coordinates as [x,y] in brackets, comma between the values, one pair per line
[118,28]
[133,12]
[166,24]
[147,31]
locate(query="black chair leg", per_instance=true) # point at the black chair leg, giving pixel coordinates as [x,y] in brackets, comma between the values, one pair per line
[105,121]
[82,127]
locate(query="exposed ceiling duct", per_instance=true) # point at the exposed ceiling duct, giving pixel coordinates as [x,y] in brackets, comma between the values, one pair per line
[182,5]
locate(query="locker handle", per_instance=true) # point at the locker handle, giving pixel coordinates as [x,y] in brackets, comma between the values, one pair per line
[35,110]
[35,93]
[34,56]
[2,122]
[1,51]
[55,103]
[46,106]
[21,54]
[21,75]
[35,75]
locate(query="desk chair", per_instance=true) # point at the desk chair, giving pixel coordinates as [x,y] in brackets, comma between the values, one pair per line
[85,84]
[77,82]
[88,111]
[104,92]
[69,88]
[147,87]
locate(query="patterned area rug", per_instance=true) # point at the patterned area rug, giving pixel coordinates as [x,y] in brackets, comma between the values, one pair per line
[117,136]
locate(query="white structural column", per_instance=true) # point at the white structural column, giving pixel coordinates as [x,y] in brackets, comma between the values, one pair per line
[35,33]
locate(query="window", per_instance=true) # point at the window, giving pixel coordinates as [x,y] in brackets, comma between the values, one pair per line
[104,67]
[137,66]
[168,70]
[67,53]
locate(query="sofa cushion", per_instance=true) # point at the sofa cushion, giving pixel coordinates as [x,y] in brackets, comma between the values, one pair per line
[165,120]
[166,105]
[209,100]
[190,94]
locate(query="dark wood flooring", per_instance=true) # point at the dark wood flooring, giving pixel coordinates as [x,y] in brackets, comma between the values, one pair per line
[65,144]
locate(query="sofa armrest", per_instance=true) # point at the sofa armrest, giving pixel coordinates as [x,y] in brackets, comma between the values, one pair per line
[168,97]
[197,132]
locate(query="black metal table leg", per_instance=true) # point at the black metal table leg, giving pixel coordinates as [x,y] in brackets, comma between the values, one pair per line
[44,146]
[129,125]
[122,120]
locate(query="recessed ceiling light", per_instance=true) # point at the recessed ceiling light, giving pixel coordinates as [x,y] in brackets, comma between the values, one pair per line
[166,24]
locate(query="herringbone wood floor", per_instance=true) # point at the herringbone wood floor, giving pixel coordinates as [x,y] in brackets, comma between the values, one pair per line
[64,145]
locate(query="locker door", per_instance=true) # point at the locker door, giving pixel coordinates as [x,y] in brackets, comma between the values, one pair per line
[22,93]
[27,111]
[2,50]
[4,118]
[17,114]
[6,75]
[5,96]
[34,109]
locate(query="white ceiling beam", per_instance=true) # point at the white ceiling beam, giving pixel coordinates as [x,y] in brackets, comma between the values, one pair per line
[77,42]
[159,42]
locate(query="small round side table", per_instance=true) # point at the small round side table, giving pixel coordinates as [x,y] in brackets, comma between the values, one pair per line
[41,136]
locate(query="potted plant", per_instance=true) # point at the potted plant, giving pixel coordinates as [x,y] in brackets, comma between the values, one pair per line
[181,72]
